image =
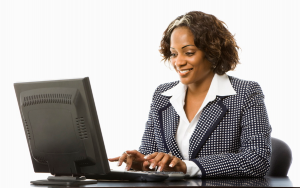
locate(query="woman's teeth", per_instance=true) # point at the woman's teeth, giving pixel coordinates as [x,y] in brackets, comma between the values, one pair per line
[184,71]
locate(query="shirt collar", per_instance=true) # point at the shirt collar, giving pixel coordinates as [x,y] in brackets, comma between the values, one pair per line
[220,86]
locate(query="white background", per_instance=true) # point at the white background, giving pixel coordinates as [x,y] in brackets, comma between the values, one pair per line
[116,43]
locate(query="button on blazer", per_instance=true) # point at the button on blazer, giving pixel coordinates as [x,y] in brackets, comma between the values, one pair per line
[231,138]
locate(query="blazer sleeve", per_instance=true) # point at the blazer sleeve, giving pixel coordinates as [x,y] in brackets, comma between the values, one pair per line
[148,144]
[253,157]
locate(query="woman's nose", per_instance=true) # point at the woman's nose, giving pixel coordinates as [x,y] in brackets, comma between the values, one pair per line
[180,61]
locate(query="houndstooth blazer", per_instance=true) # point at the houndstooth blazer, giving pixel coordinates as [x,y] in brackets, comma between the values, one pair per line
[231,138]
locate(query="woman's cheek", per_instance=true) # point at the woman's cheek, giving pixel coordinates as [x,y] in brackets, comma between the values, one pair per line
[173,62]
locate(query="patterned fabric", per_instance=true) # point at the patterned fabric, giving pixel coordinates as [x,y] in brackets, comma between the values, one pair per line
[231,138]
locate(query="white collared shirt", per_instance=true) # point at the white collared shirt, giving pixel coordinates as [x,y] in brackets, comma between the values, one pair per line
[220,86]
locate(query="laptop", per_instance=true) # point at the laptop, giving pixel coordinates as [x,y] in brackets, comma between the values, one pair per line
[64,135]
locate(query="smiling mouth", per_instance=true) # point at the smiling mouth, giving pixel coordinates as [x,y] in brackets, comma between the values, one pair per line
[184,72]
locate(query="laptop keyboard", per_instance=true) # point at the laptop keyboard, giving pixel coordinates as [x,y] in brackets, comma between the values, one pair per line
[142,176]
[154,172]
[168,173]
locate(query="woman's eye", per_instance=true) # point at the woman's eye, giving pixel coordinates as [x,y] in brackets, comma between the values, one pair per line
[190,53]
[173,55]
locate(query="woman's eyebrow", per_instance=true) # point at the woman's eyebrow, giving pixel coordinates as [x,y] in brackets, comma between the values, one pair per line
[183,46]
[187,45]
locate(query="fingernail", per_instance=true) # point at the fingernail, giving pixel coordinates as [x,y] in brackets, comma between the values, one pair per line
[126,168]
[171,165]
[158,170]
[118,163]
[146,157]
[152,166]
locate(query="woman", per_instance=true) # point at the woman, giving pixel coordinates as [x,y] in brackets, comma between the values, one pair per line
[207,124]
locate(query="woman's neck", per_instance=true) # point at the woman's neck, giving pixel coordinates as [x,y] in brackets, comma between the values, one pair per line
[200,87]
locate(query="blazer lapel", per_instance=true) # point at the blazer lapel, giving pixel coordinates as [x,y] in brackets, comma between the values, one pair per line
[210,117]
[169,121]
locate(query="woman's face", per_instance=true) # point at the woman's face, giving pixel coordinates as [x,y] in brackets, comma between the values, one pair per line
[188,61]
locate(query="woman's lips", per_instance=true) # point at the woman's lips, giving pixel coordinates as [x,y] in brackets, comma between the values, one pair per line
[184,72]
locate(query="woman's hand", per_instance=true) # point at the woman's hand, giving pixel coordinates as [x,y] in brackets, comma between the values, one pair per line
[166,162]
[133,159]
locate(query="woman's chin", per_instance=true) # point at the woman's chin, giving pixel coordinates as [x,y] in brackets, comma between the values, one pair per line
[185,82]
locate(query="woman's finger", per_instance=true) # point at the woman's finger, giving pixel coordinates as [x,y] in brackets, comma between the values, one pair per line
[151,156]
[129,160]
[146,165]
[174,162]
[114,159]
[157,159]
[164,161]
[134,152]
[122,159]
[139,157]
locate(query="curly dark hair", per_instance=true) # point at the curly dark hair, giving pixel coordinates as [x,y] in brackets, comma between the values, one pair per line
[210,35]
